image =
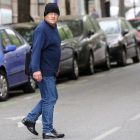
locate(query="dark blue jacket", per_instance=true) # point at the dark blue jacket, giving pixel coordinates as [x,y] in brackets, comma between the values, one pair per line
[46,50]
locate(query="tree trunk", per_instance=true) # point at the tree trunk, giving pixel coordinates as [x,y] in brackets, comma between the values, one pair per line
[24,11]
[121,8]
[86,6]
[67,3]
[105,7]
[102,2]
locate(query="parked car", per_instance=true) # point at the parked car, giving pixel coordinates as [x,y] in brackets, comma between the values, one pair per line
[122,39]
[92,44]
[135,22]
[13,49]
[69,50]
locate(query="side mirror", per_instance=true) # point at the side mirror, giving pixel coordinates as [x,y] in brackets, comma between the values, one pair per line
[90,32]
[10,48]
[124,32]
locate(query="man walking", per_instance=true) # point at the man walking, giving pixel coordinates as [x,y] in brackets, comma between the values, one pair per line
[94,13]
[44,68]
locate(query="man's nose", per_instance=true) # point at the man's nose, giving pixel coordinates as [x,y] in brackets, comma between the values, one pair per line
[53,14]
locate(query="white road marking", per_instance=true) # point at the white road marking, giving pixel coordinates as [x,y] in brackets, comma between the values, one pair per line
[107,133]
[59,85]
[16,118]
[38,121]
[135,118]
[20,124]
[27,98]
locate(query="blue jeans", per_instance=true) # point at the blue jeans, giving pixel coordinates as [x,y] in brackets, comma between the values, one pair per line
[45,107]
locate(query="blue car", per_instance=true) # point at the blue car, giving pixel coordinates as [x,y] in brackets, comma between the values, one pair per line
[13,49]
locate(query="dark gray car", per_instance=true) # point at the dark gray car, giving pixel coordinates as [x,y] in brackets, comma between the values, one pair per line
[92,44]
[69,50]
[122,39]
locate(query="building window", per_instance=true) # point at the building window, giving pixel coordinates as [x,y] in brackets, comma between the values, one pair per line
[67,3]
[41,1]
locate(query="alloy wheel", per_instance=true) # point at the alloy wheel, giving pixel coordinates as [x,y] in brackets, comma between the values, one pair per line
[3,86]
[91,64]
[108,60]
[138,53]
[124,57]
[33,84]
[76,69]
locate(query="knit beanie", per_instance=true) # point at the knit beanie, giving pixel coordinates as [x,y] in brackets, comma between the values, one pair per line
[51,7]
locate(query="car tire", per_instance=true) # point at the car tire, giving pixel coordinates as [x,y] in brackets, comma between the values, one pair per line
[123,58]
[30,86]
[90,65]
[107,61]
[4,86]
[136,59]
[75,70]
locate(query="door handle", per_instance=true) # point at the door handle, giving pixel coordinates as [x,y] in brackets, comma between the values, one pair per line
[17,54]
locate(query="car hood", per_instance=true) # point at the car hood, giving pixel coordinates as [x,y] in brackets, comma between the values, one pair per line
[115,38]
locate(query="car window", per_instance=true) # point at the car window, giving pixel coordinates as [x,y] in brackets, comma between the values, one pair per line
[21,41]
[62,34]
[4,39]
[67,31]
[12,35]
[129,25]
[89,25]
[135,24]
[110,26]
[123,25]
[26,33]
[76,27]
[95,24]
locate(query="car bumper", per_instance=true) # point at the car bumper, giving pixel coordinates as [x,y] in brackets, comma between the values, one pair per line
[115,54]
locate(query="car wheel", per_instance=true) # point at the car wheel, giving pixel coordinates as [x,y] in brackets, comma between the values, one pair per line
[107,61]
[136,59]
[90,65]
[4,87]
[123,58]
[75,70]
[30,86]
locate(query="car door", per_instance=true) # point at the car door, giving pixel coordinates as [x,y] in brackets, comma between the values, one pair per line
[101,40]
[66,53]
[12,63]
[134,35]
[20,54]
[130,41]
[93,40]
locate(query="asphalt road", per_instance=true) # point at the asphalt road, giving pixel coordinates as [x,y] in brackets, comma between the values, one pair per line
[104,106]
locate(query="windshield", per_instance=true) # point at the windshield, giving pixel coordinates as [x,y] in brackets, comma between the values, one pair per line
[110,26]
[26,34]
[135,23]
[76,27]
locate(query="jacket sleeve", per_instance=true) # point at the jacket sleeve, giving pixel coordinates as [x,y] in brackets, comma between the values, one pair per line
[39,40]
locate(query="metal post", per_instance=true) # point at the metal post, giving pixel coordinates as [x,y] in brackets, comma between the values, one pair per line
[121,8]
[134,6]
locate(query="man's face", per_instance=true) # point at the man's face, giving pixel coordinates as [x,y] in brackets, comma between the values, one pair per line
[51,18]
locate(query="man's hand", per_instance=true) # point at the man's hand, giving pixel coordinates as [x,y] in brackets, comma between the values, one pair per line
[58,69]
[37,76]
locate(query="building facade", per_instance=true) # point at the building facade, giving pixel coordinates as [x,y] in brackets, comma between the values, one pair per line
[9,9]
[67,7]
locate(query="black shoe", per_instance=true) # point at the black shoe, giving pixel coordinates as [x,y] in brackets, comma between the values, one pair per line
[30,126]
[52,135]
